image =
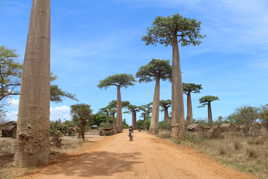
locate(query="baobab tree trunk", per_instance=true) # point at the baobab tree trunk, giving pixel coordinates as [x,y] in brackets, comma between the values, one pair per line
[166,116]
[189,109]
[177,121]
[155,110]
[114,122]
[32,147]
[134,120]
[209,113]
[119,110]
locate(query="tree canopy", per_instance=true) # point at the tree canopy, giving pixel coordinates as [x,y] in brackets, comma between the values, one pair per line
[133,108]
[166,30]
[155,69]
[208,99]
[189,88]
[10,72]
[120,80]
[165,104]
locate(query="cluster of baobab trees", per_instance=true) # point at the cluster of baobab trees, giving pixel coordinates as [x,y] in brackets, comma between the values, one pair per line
[32,146]
[174,31]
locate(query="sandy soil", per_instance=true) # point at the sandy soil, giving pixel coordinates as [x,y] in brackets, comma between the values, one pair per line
[147,157]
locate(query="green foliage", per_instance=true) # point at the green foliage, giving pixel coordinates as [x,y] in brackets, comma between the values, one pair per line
[10,78]
[57,94]
[125,124]
[99,118]
[155,69]
[189,88]
[10,72]
[165,104]
[263,114]
[166,30]
[81,114]
[244,115]
[207,99]
[164,125]
[133,108]
[141,124]
[121,80]
[106,125]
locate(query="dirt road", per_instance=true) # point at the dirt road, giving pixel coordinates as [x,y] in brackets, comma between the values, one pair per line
[147,157]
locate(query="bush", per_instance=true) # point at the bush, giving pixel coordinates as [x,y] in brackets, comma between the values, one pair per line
[164,125]
[252,153]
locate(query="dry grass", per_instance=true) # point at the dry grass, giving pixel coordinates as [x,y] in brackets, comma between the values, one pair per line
[246,154]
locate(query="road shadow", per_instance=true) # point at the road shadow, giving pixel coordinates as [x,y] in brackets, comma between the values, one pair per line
[93,164]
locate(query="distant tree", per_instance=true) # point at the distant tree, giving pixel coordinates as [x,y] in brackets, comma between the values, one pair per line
[147,110]
[206,101]
[245,115]
[119,81]
[10,72]
[81,115]
[134,109]
[112,108]
[165,104]
[10,78]
[263,115]
[155,70]
[188,89]
[175,30]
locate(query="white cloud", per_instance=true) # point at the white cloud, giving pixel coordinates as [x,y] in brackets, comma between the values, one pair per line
[60,112]
[13,102]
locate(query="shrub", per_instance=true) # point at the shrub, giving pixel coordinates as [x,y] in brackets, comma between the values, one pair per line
[237,145]
[252,153]
[164,125]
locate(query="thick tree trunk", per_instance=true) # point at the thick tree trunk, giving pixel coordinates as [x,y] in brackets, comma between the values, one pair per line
[155,110]
[209,113]
[177,121]
[119,110]
[134,120]
[166,116]
[32,147]
[189,109]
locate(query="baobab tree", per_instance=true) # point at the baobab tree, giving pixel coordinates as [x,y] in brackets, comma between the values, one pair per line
[206,101]
[119,81]
[175,30]
[188,89]
[32,148]
[165,104]
[134,109]
[155,70]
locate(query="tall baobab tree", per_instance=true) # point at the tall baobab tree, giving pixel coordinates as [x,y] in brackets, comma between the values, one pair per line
[155,70]
[165,104]
[175,30]
[206,101]
[33,119]
[134,109]
[188,89]
[119,81]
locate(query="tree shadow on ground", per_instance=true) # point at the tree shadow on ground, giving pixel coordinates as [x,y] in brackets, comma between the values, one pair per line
[100,163]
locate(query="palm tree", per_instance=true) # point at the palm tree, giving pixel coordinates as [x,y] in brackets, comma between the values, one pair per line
[134,109]
[206,101]
[119,81]
[165,104]
[155,70]
[33,119]
[175,30]
[188,89]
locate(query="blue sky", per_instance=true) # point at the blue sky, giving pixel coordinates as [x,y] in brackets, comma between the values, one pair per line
[94,39]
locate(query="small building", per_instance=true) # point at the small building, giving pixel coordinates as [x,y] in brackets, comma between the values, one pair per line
[9,129]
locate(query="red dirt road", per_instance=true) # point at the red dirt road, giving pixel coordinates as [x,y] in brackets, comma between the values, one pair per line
[147,157]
